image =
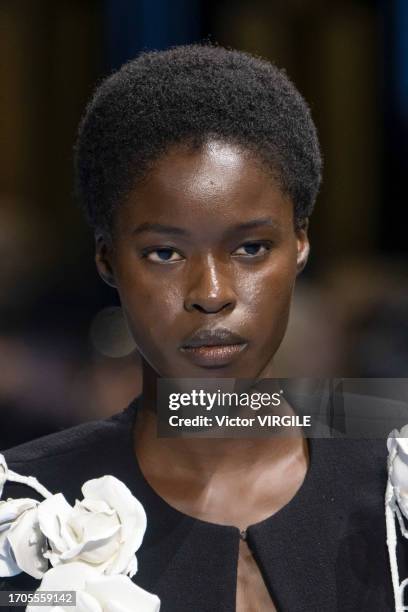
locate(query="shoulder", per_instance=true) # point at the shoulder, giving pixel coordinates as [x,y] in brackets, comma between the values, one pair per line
[65,460]
[352,460]
[68,441]
[352,474]
[354,454]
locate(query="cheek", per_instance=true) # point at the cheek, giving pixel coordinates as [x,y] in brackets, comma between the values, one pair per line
[150,308]
[268,308]
[269,291]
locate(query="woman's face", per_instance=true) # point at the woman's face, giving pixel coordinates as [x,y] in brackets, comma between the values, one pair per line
[205,257]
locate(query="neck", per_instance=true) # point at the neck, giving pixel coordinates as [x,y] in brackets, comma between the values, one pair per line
[195,457]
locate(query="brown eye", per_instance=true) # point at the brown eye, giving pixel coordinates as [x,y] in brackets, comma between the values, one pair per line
[252,249]
[164,255]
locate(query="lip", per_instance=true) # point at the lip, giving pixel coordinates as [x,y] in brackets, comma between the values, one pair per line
[213,347]
[213,356]
[218,336]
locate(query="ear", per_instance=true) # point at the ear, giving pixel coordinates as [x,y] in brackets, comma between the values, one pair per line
[303,245]
[103,259]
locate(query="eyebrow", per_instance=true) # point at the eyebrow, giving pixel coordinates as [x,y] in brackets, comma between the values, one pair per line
[160,228]
[262,222]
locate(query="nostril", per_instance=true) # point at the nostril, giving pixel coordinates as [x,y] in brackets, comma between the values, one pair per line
[198,307]
[211,308]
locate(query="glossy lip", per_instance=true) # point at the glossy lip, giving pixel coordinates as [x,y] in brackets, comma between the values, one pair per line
[218,336]
[213,356]
[213,347]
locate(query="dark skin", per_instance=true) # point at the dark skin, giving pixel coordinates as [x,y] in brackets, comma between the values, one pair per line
[231,260]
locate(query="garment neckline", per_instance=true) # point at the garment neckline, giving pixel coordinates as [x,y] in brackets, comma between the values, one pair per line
[297,501]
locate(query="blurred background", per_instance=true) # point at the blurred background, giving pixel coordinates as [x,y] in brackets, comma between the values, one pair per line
[65,355]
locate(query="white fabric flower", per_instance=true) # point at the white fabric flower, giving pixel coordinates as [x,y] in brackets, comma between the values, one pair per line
[3,473]
[95,592]
[105,529]
[397,445]
[21,542]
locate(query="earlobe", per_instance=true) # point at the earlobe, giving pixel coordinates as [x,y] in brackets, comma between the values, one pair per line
[303,246]
[103,257]
[303,256]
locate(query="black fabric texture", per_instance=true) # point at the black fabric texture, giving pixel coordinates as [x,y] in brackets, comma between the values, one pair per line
[325,551]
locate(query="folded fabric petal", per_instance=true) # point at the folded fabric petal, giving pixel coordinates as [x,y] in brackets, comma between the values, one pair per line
[105,529]
[95,592]
[28,544]
[397,444]
[3,473]
[21,542]
[131,515]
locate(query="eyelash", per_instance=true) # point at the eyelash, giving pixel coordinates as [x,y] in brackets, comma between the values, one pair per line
[267,245]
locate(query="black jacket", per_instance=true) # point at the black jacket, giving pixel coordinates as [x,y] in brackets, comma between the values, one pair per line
[325,551]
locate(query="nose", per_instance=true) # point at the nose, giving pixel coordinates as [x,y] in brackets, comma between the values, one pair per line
[210,290]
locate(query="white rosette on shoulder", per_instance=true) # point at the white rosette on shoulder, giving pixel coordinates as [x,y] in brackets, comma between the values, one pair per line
[21,542]
[105,529]
[91,546]
[3,474]
[396,505]
[95,592]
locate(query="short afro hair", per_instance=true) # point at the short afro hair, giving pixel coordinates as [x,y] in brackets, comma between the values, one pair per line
[188,94]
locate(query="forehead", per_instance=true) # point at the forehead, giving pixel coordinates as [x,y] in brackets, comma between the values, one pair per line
[197,186]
